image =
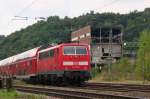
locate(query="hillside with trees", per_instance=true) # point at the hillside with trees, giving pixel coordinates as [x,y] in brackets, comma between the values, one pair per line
[56,30]
[1,37]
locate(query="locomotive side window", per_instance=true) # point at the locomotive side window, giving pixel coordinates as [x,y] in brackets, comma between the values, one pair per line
[43,55]
[46,54]
[69,50]
[81,50]
[51,53]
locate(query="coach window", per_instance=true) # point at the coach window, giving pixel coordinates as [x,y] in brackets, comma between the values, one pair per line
[51,53]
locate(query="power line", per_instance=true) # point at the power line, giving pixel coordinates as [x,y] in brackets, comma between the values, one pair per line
[108,4]
[42,18]
[21,11]
[28,6]
[17,17]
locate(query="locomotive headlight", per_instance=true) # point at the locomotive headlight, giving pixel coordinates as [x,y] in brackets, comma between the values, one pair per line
[67,63]
[83,63]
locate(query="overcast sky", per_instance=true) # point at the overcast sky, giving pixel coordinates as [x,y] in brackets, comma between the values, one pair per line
[71,8]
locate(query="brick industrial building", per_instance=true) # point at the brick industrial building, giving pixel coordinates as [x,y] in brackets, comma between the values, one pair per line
[105,42]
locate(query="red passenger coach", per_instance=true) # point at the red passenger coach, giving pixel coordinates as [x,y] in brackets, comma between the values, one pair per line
[21,65]
[55,64]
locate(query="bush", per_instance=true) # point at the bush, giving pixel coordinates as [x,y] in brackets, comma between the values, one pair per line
[121,70]
[143,59]
[94,72]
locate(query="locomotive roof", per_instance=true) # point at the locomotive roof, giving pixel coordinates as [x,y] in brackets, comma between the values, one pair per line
[53,47]
[24,55]
[63,44]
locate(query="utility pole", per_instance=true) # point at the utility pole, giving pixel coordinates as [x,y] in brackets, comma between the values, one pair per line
[144,69]
[110,54]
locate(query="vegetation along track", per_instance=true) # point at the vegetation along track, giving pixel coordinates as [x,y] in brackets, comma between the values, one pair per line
[118,87]
[70,94]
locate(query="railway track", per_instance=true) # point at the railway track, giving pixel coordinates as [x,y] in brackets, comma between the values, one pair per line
[70,94]
[118,87]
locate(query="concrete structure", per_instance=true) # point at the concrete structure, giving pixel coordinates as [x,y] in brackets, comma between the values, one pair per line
[105,42]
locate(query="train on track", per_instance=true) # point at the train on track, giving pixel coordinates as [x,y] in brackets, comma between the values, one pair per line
[63,63]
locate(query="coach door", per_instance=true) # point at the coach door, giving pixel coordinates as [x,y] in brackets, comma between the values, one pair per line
[56,59]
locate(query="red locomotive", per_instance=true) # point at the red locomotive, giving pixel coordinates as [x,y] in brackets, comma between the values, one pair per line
[54,64]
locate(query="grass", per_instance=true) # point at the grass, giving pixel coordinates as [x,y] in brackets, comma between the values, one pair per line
[121,72]
[98,79]
[4,94]
[12,94]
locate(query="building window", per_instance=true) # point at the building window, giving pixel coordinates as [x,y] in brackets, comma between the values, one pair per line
[88,34]
[82,36]
[75,39]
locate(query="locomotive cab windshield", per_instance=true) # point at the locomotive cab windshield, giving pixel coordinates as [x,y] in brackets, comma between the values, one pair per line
[75,50]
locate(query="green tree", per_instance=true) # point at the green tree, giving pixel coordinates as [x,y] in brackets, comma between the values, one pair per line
[143,59]
[56,30]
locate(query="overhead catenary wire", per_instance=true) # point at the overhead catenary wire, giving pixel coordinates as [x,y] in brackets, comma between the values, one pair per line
[42,18]
[20,12]
[26,7]
[106,5]
[18,17]
[34,1]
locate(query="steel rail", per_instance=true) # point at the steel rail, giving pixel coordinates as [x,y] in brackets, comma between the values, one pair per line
[118,87]
[71,94]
